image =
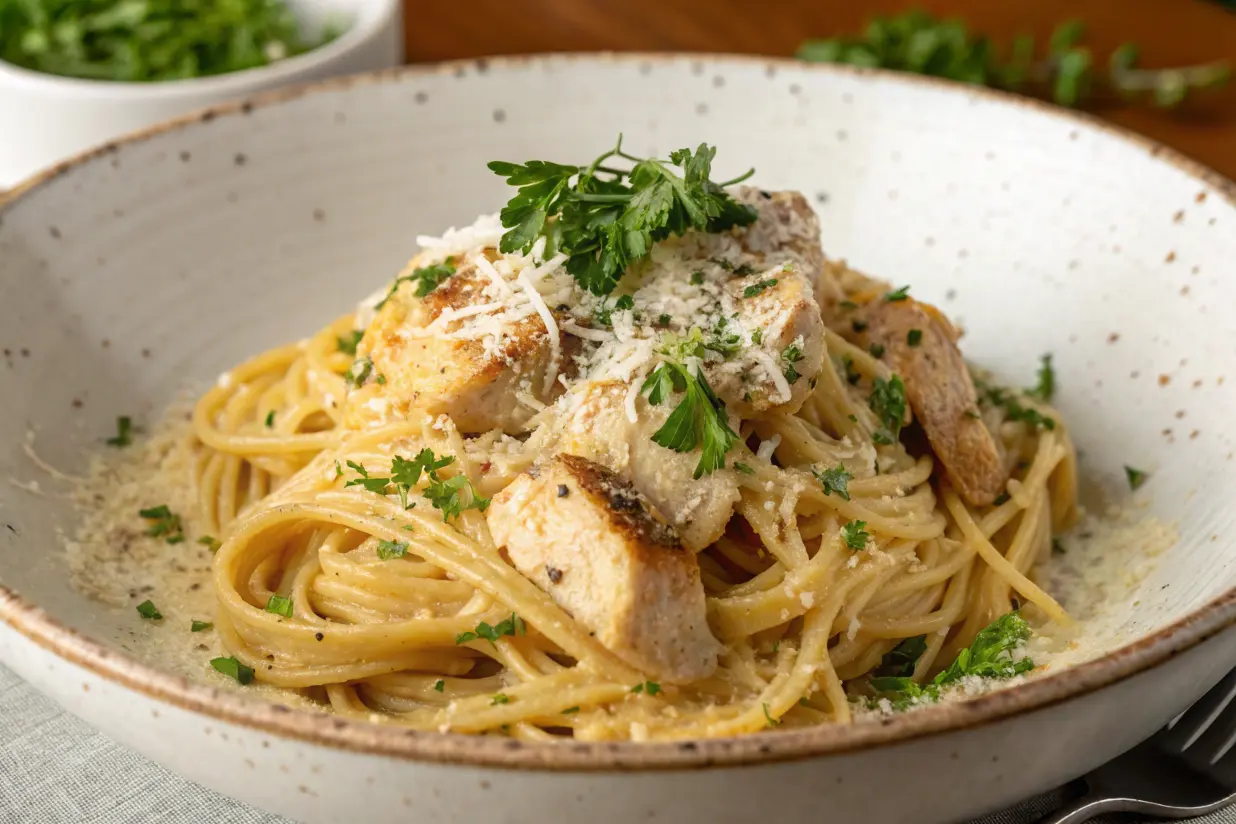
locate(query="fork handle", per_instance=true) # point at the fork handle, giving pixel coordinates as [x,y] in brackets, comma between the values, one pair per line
[1088,807]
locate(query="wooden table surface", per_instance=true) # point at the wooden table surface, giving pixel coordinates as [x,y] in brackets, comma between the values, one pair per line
[1169,32]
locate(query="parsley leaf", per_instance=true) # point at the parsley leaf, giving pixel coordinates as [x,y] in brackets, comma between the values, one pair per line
[124,432]
[888,401]
[698,419]
[358,373]
[280,606]
[440,685]
[510,626]
[989,656]
[377,485]
[233,668]
[392,549]
[165,524]
[426,278]
[855,535]
[834,480]
[200,626]
[758,288]
[149,611]
[899,662]
[449,495]
[1046,387]
[1136,477]
[347,344]
[605,219]
[791,355]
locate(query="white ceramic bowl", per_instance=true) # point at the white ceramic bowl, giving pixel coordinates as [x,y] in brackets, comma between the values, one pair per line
[44,118]
[162,260]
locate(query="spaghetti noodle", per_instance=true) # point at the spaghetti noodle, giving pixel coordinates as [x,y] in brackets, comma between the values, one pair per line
[404,608]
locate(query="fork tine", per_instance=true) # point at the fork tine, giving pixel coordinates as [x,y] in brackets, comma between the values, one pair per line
[1185,729]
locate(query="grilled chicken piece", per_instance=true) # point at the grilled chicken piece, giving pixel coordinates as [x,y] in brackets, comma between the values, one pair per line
[589,539]
[486,370]
[598,427]
[941,394]
[782,308]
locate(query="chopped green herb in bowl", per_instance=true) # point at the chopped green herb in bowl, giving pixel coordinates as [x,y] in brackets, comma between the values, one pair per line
[150,40]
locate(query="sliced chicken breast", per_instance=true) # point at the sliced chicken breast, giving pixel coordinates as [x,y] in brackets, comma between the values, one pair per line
[777,309]
[599,428]
[467,349]
[603,553]
[920,346]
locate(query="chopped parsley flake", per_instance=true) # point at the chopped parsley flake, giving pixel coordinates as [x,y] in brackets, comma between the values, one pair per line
[743,468]
[648,688]
[888,401]
[348,343]
[280,606]
[876,350]
[270,419]
[500,698]
[511,626]
[757,337]
[758,288]
[1045,389]
[1002,498]
[914,337]
[439,685]
[570,710]
[1057,547]
[697,277]
[200,626]
[124,432]
[210,542]
[359,372]
[392,549]
[900,661]
[165,524]
[834,480]
[426,278]
[149,611]
[1136,477]
[855,535]
[233,668]
[791,355]
[897,295]
[852,376]
[768,719]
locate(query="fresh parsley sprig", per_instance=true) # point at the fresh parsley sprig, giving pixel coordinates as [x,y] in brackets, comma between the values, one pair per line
[990,656]
[451,496]
[510,626]
[919,43]
[605,219]
[699,418]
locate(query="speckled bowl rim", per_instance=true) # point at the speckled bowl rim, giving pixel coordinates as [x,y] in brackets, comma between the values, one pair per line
[390,741]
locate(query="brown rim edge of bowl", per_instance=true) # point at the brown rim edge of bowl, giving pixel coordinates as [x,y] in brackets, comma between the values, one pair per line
[387,740]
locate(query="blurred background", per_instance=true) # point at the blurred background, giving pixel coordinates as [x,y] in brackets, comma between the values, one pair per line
[1159,67]
[1168,33]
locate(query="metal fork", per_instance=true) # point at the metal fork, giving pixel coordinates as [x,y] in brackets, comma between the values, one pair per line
[1181,772]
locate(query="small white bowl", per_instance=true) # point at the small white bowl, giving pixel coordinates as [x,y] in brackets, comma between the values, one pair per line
[46,117]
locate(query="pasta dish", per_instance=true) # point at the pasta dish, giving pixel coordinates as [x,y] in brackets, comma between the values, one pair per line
[633,459]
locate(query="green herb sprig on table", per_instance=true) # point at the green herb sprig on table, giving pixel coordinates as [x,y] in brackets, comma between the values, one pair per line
[920,43]
[149,40]
[604,219]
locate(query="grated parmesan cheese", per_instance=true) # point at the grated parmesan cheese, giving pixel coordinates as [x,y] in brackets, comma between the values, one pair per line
[551,326]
